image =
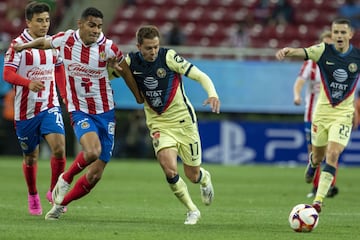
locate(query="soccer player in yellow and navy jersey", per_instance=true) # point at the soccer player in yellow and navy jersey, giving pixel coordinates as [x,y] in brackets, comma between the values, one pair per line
[170,116]
[310,75]
[334,113]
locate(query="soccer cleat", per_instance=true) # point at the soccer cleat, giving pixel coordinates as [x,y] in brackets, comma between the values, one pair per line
[55,212]
[312,193]
[192,217]
[317,205]
[34,204]
[332,192]
[60,190]
[207,192]
[49,198]
[310,171]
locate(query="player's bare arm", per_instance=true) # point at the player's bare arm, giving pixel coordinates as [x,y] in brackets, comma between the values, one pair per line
[298,86]
[125,72]
[39,43]
[290,52]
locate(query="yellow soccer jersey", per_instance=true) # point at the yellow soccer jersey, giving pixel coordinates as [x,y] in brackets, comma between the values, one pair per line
[161,84]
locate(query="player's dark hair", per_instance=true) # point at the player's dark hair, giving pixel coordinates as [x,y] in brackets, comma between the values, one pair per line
[35,7]
[91,11]
[148,32]
[342,21]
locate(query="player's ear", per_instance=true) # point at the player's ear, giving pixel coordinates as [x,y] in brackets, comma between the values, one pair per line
[352,32]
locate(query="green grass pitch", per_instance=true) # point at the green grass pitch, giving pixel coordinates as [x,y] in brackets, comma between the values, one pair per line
[133,201]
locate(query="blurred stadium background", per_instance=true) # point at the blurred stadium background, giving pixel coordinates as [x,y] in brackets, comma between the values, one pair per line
[259,123]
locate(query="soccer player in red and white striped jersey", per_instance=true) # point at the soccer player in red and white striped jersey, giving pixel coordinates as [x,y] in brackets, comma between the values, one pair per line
[89,99]
[37,111]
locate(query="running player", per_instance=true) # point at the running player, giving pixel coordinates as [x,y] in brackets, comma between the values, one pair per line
[334,113]
[89,98]
[170,116]
[310,75]
[37,111]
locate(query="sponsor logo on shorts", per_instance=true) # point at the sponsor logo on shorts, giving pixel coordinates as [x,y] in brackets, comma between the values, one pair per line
[111,128]
[24,146]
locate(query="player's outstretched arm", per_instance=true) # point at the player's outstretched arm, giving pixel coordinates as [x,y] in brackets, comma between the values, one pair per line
[290,52]
[213,99]
[39,43]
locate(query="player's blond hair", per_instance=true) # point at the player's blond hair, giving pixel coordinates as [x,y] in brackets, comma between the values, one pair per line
[324,34]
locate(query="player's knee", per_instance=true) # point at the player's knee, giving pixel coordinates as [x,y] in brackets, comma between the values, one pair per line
[92,155]
[58,150]
[193,176]
[333,154]
[192,173]
[30,159]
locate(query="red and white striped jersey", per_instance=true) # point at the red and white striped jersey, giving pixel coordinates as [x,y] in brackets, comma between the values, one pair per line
[33,64]
[88,87]
[311,74]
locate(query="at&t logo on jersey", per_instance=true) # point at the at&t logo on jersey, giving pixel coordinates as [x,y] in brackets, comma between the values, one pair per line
[151,83]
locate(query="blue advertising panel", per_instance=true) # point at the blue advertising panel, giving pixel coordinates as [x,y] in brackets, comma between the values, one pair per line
[231,142]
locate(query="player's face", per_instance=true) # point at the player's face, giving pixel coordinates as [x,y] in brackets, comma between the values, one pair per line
[90,29]
[341,35]
[39,24]
[149,49]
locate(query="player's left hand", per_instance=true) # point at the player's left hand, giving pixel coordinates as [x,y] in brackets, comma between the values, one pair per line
[281,54]
[17,47]
[214,104]
[114,63]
